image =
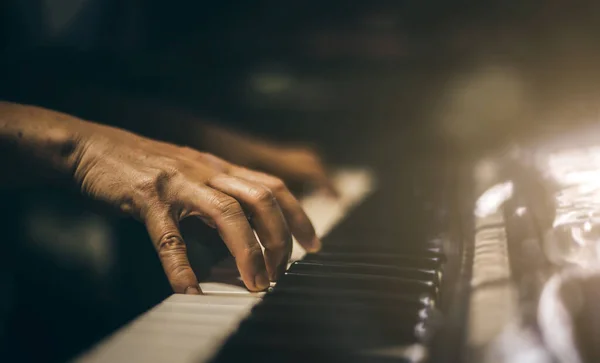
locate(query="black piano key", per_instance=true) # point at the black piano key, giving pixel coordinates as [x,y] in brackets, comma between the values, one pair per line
[336,307]
[374,284]
[316,309]
[355,335]
[406,260]
[346,317]
[367,269]
[284,294]
[383,248]
[356,332]
[236,350]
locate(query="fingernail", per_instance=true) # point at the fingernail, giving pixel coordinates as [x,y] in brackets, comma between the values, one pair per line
[192,290]
[315,245]
[261,281]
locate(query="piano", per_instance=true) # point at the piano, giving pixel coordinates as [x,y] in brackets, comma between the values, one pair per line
[434,255]
[493,259]
[390,273]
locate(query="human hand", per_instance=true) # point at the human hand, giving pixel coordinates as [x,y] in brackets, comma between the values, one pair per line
[298,166]
[161,184]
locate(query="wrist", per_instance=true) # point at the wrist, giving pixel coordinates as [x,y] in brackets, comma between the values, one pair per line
[41,142]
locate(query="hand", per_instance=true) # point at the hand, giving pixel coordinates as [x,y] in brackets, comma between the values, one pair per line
[161,183]
[298,166]
[295,165]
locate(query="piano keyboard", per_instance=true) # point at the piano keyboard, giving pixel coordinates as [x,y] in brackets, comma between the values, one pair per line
[370,295]
[193,328]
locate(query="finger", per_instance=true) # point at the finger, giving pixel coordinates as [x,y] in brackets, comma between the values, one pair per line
[267,218]
[297,219]
[306,166]
[323,180]
[165,235]
[234,228]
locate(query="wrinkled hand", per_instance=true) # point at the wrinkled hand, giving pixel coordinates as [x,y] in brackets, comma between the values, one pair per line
[295,165]
[161,183]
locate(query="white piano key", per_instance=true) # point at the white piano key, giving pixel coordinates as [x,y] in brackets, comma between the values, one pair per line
[219,288]
[414,353]
[197,300]
[207,317]
[178,330]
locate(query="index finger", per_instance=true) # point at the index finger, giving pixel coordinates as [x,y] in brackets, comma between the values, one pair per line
[172,251]
[323,180]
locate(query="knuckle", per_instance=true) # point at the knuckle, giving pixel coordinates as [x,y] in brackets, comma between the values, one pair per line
[262,196]
[156,182]
[162,179]
[277,185]
[145,183]
[227,207]
[171,243]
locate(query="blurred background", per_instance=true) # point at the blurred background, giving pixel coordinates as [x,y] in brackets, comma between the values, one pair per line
[366,82]
[459,67]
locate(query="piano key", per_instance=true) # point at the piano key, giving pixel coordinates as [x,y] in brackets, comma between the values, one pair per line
[290,302]
[394,248]
[179,301]
[286,295]
[314,314]
[367,269]
[317,315]
[407,260]
[352,337]
[398,298]
[235,351]
[374,284]
[351,334]
[227,289]
[181,328]
[333,325]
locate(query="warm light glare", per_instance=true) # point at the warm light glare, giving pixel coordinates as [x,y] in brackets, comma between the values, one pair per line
[493,198]
[575,236]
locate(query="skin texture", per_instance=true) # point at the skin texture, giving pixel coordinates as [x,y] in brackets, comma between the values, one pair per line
[160,184]
[297,166]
